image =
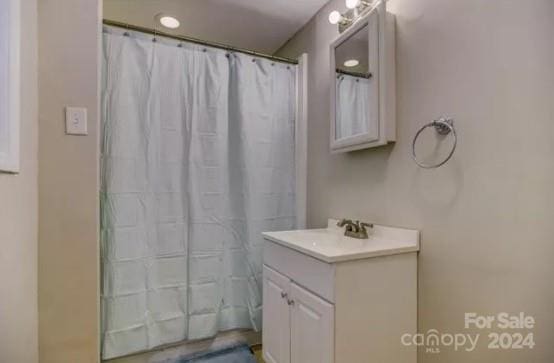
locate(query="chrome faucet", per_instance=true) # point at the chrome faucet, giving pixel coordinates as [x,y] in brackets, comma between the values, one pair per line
[355,229]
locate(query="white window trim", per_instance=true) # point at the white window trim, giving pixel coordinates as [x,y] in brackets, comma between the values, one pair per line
[9,160]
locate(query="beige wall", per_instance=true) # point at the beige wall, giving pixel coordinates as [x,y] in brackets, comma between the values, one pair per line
[18,217]
[487,216]
[68,187]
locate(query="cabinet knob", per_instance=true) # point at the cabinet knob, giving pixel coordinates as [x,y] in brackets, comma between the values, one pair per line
[284,295]
[290,302]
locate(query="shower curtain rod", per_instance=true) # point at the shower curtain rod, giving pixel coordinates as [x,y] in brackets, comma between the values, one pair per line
[197,41]
[354,74]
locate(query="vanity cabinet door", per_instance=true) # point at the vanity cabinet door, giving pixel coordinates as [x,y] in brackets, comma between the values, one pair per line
[276,317]
[312,327]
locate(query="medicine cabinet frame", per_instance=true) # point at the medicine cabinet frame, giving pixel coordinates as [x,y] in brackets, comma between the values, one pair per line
[382,68]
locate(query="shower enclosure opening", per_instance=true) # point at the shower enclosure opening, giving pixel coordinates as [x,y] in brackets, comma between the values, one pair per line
[202,150]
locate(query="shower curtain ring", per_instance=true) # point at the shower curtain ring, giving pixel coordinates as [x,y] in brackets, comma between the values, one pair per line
[126,33]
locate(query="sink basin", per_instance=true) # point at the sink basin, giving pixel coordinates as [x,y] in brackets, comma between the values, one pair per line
[331,246]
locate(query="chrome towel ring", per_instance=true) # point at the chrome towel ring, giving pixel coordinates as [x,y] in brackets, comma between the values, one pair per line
[443,126]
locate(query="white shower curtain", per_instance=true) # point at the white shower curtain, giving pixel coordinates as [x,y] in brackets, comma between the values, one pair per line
[197,161]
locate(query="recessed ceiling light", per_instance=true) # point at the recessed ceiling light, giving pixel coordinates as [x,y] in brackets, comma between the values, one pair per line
[351,63]
[168,21]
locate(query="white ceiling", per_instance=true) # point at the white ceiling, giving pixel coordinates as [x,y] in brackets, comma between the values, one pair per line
[261,25]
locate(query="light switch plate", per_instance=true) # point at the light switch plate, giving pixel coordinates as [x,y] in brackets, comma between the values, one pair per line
[76,121]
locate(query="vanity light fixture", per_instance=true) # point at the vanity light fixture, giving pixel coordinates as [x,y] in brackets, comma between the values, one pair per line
[351,63]
[335,17]
[356,8]
[352,4]
[167,21]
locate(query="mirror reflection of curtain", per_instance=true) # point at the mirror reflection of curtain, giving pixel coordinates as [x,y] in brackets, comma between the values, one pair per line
[352,99]
[197,160]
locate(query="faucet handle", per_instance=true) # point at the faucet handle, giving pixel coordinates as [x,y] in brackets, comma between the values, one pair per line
[343,222]
[365,225]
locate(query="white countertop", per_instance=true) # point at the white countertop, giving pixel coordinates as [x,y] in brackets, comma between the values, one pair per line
[331,246]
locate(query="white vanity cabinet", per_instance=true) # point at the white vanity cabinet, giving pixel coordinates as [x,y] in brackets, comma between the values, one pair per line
[298,325]
[330,298]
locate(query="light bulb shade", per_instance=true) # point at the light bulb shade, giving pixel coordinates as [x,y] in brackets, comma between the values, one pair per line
[352,4]
[334,17]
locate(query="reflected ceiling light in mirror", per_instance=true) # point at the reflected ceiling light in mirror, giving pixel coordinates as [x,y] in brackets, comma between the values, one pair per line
[351,63]
[167,21]
[352,4]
